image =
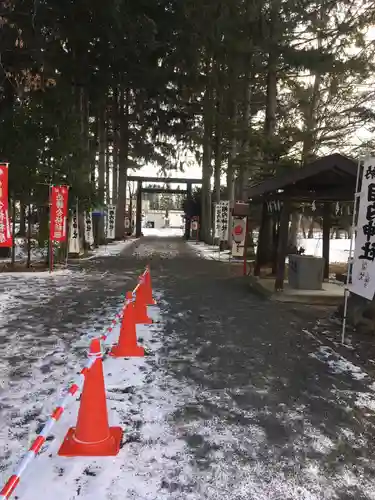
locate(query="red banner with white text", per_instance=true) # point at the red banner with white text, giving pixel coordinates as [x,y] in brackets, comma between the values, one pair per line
[59,212]
[5,232]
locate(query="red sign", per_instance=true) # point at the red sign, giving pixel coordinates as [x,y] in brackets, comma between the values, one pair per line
[5,234]
[59,212]
[238,230]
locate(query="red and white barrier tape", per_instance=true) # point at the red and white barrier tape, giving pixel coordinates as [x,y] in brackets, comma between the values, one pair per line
[39,441]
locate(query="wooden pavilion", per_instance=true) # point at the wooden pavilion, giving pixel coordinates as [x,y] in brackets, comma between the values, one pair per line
[326,180]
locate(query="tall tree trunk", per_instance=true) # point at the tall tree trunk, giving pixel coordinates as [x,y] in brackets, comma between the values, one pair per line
[243,171]
[231,172]
[13,250]
[294,227]
[206,161]
[22,231]
[123,162]
[85,136]
[115,146]
[107,158]
[218,152]
[29,224]
[309,142]
[218,155]
[271,96]
[94,141]
[310,233]
[101,176]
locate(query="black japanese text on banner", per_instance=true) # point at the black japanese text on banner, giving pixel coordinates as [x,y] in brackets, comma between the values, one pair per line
[221,220]
[111,221]
[89,235]
[363,274]
[74,233]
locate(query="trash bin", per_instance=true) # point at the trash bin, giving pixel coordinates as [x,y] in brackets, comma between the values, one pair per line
[306,272]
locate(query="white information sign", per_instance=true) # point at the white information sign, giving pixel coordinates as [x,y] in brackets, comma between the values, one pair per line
[74,234]
[111,221]
[363,273]
[89,234]
[221,220]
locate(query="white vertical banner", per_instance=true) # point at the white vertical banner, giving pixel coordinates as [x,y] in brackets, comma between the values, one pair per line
[363,273]
[111,221]
[222,220]
[217,218]
[74,233]
[238,236]
[89,234]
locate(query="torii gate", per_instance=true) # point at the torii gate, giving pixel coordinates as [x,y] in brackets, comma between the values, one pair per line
[166,180]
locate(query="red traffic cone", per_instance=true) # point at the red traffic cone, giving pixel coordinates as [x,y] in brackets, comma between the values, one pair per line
[92,436]
[148,288]
[140,306]
[127,344]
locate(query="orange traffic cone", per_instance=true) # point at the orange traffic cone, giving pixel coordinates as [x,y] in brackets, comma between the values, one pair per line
[140,306]
[92,437]
[148,288]
[127,344]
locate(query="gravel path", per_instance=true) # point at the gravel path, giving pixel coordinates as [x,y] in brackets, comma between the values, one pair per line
[264,410]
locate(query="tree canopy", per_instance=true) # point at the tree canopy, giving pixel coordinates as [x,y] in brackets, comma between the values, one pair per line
[90,90]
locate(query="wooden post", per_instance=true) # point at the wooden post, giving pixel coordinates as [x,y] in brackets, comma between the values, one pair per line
[245,248]
[326,236]
[49,232]
[138,222]
[258,257]
[189,198]
[275,241]
[282,245]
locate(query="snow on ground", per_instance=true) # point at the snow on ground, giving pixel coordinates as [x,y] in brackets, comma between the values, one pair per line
[137,402]
[37,254]
[163,232]
[210,252]
[156,460]
[339,249]
[167,250]
[44,319]
[339,365]
[110,249]
[179,443]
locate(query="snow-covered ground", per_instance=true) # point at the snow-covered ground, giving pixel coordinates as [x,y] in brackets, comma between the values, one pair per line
[339,249]
[110,249]
[156,463]
[39,254]
[20,251]
[136,401]
[163,232]
[191,430]
[210,252]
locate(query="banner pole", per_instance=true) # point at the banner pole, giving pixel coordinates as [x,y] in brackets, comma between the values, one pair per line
[350,269]
[245,248]
[50,231]
[67,229]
